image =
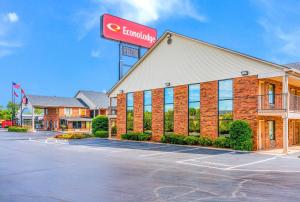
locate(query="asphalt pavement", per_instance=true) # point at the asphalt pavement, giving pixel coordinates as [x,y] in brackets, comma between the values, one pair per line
[37,167]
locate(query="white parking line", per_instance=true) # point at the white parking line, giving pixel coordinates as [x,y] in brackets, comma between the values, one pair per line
[204,157]
[167,152]
[252,163]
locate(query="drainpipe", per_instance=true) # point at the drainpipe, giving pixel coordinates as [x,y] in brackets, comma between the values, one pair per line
[285,90]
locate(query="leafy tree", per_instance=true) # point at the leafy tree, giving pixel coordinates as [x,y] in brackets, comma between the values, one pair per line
[99,123]
[241,135]
[147,121]
[129,120]
[169,121]
[225,122]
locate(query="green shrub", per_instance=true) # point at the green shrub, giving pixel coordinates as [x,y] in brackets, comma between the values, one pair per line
[240,135]
[191,140]
[173,139]
[222,142]
[205,141]
[136,136]
[99,123]
[101,134]
[17,129]
[73,136]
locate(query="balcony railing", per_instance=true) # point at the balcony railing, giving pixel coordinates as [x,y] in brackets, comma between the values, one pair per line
[112,110]
[294,103]
[275,102]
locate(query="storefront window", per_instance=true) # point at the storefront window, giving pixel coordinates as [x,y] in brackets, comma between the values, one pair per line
[129,111]
[147,111]
[194,109]
[225,106]
[169,110]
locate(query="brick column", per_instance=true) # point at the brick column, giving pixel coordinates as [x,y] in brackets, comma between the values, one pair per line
[138,125]
[181,110]
[157,113]
[209,109]
[121,114]
[245,102]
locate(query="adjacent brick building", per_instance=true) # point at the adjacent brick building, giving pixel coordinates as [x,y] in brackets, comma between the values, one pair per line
[67,113]
[199,89]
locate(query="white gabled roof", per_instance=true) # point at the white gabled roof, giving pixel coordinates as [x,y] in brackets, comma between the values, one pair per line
[189,61]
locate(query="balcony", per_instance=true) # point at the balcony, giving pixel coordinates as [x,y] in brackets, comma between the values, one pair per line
[270,105]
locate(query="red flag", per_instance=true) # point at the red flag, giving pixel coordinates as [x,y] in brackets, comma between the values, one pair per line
[15,85]
[22,91]
[16,94]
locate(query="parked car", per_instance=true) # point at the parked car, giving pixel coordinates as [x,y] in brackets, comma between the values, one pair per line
[6,124]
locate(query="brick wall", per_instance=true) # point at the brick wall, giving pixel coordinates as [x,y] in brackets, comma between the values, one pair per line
[181,110]
[52,116]
[209,109]
[138,98]
[157,113]
[245,91]
[121,117]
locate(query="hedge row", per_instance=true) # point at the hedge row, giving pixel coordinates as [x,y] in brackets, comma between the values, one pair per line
[136,136]
[193,140]
[73,136]
[101,134]
[240,138]
[17,129]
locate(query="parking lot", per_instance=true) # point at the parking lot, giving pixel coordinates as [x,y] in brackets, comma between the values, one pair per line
[37,167]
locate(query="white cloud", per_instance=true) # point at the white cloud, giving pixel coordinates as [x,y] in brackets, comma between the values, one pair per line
[281,25]
[9,34]
[145,12]
[12,17]
[95,53]
[4,53]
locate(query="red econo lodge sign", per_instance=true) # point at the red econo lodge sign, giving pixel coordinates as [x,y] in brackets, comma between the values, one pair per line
[119,29]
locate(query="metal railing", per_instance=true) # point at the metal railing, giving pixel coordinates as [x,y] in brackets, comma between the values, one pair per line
[276,102]
[294,103]
[112,110]
[271,102]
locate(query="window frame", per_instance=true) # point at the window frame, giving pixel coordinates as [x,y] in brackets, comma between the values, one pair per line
[225,99]
[129,93]
[144,107]
[164,108]
[272,94]
[190,102]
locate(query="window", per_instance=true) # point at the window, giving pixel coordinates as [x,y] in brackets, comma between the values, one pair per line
[169,110]
[194,109]
[225,106]
[82,112]
[147,111]
[46,111]
[76,124]
[271,94]
[68,111]
[129,112]
[271,130]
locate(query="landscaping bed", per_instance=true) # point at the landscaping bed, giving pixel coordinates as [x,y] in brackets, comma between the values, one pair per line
[73,136]
[17,129]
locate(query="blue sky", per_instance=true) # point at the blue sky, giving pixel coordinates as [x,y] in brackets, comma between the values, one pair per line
[53,47]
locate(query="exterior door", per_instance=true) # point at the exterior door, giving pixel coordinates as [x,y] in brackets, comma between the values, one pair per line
[296,134]
[260,134]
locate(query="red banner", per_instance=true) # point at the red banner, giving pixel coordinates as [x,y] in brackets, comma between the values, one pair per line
[119,29]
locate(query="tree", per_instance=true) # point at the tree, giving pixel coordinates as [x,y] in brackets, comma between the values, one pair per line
[99,123]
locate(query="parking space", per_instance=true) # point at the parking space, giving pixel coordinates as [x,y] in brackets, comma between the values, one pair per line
[112,170]
[212,158]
